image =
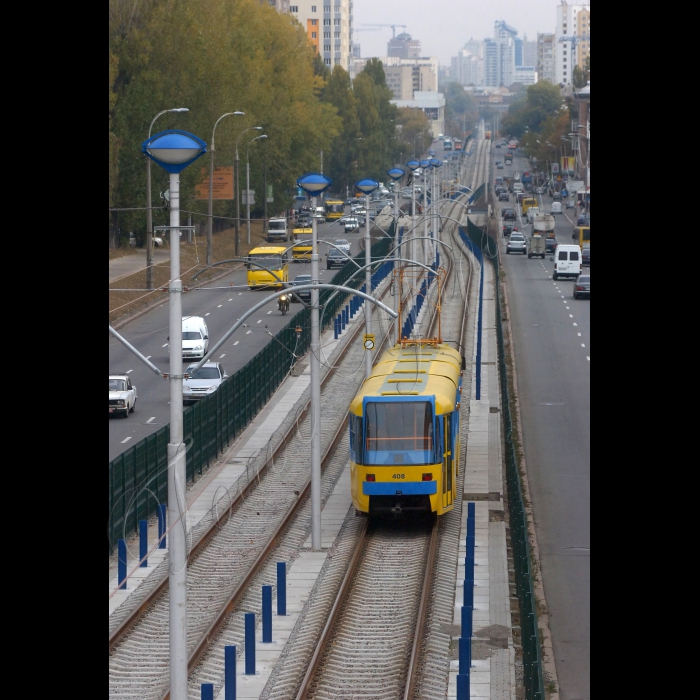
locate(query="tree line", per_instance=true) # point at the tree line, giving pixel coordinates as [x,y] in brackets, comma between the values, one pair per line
[218,56]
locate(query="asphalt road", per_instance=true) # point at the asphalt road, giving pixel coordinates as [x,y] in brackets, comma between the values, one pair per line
[551,336]
[220,308]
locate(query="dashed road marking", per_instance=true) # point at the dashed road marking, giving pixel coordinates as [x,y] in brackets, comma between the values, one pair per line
[206,314]
[571,315]
[219,306]
[239,293]
[578,334]
[129,371]
[151,419]
[149,357]
[224,354]
[268,313]
[575,324]
[164,346]
[230,299]
[126,439]
[236,343]
[588,358]
[248,332]
[260,321]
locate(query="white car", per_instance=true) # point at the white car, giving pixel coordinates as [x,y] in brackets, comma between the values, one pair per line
[122,394]
[343,244]
[204,382]
[351,224]
[516,243]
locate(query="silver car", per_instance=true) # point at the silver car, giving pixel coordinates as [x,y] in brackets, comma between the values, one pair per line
[516,244]
[343,244]
[202,383]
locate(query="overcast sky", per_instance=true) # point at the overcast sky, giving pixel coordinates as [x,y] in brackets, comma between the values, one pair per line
[443,26]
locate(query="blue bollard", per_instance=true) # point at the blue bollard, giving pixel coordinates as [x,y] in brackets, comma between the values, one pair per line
[335,328]
[143,542]
[471,544]
[230,672]
[207,691]
[267,614]
[468,599]
[465,656]
[281,588]
[121,565]
[342,319]
[466,622]
[471,510]
[250,644]
[161,526]
[463,687]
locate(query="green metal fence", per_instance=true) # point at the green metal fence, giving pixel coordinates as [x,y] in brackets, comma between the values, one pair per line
[138,479]
[532,659]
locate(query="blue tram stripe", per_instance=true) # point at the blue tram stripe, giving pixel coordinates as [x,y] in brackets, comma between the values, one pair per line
[392,488]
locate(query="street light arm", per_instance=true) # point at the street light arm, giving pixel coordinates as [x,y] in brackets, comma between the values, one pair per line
[258,128]
[274,296]
[228,114]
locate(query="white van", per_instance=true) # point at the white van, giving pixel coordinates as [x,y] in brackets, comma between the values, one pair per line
[532,212]
[517,186]
[556,207]
[567,261]
[195,337]
[277,230]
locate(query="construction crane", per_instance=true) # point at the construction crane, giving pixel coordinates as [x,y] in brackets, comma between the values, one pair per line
[393,27]
[364,30]
[574,39]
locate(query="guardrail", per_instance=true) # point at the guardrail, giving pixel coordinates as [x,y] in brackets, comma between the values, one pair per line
[485,246]
[138,478]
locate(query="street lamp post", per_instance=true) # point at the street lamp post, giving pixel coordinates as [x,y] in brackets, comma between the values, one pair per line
[413,165]
[395,174]
[414,143]
[313,184]
[247,186]
[210,209]
[149,211]
[238,189]
[425,164]
[174,151]
[436,164]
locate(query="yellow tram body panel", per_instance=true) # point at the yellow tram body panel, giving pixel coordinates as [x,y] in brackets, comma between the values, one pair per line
[405,452]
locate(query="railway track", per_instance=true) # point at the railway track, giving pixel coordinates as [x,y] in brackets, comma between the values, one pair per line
[231,552]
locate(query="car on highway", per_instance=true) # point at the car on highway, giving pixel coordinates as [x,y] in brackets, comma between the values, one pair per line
[351,224]
[550,244]
[507,229]
[582,286]
[343,244]
[195,337]
[503,196]
[556,208]
[516,243]
[583,220]
[499,165]
[320,217]
[336,258]
[204,382]
[305,294]
[586,254]
[122,394]
[498,145]
[508,214]
[350,201]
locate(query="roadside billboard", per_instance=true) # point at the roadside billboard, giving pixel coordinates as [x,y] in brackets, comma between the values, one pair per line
[223,184]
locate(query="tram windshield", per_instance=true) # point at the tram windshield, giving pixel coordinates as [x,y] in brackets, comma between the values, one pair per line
[399,426]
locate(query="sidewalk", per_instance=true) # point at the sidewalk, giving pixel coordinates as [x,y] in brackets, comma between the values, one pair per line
[130,264]
[493,654]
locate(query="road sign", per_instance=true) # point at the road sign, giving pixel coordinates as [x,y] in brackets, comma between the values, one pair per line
[223,184]
[368,341]
[248,197]
[270,196]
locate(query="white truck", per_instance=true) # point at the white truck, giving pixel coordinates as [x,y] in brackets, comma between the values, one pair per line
[543,223]
[277,230]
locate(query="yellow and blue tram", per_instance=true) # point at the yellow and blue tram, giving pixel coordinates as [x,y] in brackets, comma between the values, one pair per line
[404,431]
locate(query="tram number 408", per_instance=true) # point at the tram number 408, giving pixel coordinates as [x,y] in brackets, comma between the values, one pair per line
[398,476]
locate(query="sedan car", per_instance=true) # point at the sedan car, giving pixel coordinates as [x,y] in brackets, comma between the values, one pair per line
[305,294]
[582,286]
[336,258]
[508,214]
[320,218]
[343,244]
[122,394]
[498,145]
[586,254]
[550,243]
[583,220]
[204,382]
[503,196]
[351,224]
[507,230]
[499,165]
[516,243]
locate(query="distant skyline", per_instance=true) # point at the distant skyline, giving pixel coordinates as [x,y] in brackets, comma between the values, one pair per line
[444,26]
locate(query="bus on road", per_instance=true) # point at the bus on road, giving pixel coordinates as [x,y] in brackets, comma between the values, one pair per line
[275,259]
[334,209]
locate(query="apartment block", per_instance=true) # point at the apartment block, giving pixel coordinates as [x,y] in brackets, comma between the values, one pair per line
[546,50]
[572,41]
[328,24]
[282,6]
[409,76]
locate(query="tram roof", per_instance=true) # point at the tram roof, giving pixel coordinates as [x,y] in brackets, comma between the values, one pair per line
[412,372]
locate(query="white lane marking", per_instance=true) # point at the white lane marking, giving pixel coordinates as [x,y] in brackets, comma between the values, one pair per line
[219,306]
[575,324]
[582,345]
[562,296]
[571,315]
[260,321]
[236,343]
[248,332]
[578,334]
[206,314]
[239,293]
[224,354]
[230,299]
[268,313]
[164,346]
[129,371]
[151,419]
[588,358]
[126,439]
[568,307]
[149,357]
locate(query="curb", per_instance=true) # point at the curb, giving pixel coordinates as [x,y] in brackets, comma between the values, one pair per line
[120,323]
[548,663]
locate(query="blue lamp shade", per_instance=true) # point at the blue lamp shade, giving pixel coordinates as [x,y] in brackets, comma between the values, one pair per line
[366,186]
[396,173]
[314,183]
[174,150]
[413,164]
[435,162]
[425,164]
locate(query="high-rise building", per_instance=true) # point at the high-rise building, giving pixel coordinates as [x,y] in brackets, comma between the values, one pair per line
[467,69]
[529,52]
[546,49]
[570,26]
[499,56]
[328,24]
[583,30]
[403,46]
[282,6]
[405,76]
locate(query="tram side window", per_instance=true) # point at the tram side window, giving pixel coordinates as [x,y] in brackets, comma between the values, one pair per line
[356,438]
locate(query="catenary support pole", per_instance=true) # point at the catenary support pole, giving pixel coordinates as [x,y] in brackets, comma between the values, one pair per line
[368,283]
[315,364]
